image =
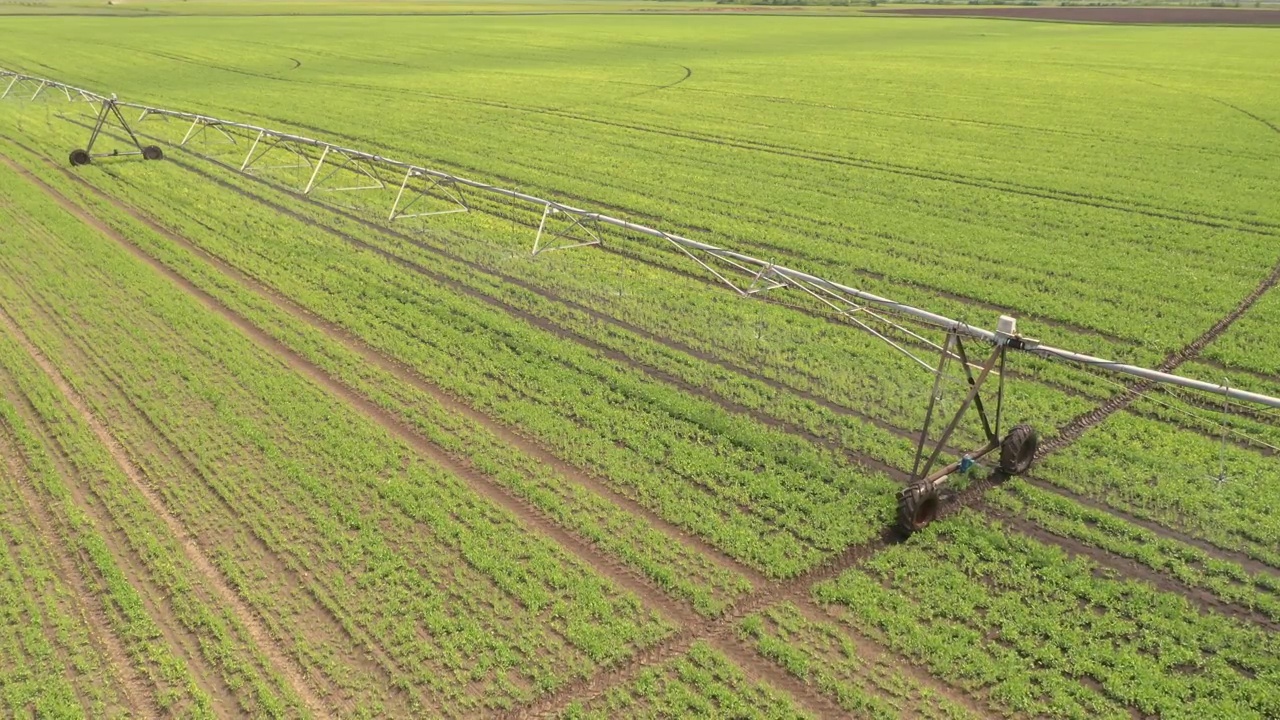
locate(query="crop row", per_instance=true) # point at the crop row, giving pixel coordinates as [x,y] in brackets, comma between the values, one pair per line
[652,301]
[445,584]
[867,377]
[1251,343]
[675,567]
[992,611]
[1168,475]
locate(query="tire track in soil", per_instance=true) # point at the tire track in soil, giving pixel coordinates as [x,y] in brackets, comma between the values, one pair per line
[694,627]
[723,630]
[1243,559]
[183,643]
[538,321]
[942,292]
[675,344]
[277,655]
[583,551]
[1231,106]
[964,299]
[411,377]
[747,660]
[795,590]
[1066,196]
[132,687]
[1102,557]
[565,333]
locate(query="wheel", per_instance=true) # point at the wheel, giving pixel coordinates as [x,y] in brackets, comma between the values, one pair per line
[1018,450]
[152,152]
[917,507]
[80,157]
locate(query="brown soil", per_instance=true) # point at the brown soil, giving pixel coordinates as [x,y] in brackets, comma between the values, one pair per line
[1123,15]
[1077,426]
[547,325]
[318,622]
[718,631]
[871,651]
[1250,564]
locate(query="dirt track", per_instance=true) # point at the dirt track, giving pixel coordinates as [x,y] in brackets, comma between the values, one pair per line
[1119,15]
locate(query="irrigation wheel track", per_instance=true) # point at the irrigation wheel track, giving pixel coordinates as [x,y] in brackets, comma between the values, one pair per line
[1070,432]
[1077,427]
[717,632]
[132,686]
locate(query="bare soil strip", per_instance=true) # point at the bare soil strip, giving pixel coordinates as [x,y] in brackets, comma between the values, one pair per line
[281,662]
[1250,564]
[132,686]
[744,656]
[675,345]
[717,638]
[716,631]
[360,652]
[719,631]
[540,322]
[1106,15]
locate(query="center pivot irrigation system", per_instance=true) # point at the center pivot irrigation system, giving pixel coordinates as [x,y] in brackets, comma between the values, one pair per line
[918,503]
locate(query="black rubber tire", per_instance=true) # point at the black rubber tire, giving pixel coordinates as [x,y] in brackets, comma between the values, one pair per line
[152,152]
[1019,450]
[918,505]
[80,157]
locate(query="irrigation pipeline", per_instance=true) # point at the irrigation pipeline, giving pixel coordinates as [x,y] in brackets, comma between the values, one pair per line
[764,275]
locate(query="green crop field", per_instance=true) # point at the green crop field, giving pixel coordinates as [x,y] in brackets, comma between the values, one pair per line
[285,432]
